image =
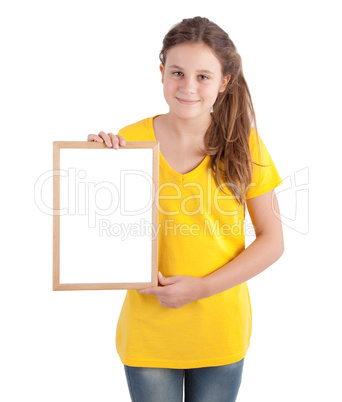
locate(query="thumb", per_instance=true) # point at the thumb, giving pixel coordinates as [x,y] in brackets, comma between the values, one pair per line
[164,281]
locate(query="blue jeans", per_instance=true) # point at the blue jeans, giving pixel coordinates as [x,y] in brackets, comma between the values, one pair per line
[207,384]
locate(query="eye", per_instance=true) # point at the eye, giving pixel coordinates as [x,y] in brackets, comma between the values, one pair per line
[203,77]
[177,74]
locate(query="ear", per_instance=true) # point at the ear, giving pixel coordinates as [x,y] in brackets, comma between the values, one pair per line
[224,84]
[161,68]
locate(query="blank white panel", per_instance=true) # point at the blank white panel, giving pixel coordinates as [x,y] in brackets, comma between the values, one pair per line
[106,215]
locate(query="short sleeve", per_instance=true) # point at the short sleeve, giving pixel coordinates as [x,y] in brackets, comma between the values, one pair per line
[265,177]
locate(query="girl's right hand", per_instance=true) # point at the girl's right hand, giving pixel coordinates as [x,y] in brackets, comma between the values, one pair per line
[110,139]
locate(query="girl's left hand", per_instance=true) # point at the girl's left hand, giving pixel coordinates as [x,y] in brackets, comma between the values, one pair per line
[175,291]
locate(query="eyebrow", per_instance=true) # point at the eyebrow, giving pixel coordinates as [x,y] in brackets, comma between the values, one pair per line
[199,71]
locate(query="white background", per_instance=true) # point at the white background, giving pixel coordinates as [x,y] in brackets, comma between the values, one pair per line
[70,68]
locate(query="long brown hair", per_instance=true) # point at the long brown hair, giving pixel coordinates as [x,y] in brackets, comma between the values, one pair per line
[227,138]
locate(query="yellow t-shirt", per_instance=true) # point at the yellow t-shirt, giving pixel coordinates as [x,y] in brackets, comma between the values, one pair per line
[201,229]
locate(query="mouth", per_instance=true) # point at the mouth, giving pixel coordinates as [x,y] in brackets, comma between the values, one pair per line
[187,102]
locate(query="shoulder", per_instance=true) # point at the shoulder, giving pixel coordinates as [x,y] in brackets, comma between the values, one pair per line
[259,152]
[254,140]
[141,130]
[265,174]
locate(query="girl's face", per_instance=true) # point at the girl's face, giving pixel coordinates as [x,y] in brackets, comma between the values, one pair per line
[192,79]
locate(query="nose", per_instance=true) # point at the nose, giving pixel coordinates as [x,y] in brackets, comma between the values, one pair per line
[188,85]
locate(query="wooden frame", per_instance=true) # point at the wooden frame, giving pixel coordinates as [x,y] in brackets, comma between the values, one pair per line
[77,247]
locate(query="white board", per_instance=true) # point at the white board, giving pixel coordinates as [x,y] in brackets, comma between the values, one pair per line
[106,214]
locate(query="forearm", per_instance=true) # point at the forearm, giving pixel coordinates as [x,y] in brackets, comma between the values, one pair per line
[262,253]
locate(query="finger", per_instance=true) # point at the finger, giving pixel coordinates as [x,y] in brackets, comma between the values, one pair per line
[115,140]
[165,281]
[145,291]
[155,291]
[122,140]
[105,138]
[94,138]
[161,279]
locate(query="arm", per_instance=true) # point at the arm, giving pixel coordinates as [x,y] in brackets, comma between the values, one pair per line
[268,246]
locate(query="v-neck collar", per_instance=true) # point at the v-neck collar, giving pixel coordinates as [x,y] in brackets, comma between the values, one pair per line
[181,177]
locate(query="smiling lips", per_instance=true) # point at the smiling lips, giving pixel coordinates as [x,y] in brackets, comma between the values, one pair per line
[187,102]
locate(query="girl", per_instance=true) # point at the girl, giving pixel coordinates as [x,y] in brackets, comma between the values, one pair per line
[194,328]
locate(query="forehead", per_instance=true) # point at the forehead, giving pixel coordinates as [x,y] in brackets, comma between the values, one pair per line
[193,55]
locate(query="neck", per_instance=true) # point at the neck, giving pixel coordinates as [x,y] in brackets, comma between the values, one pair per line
[188,130]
